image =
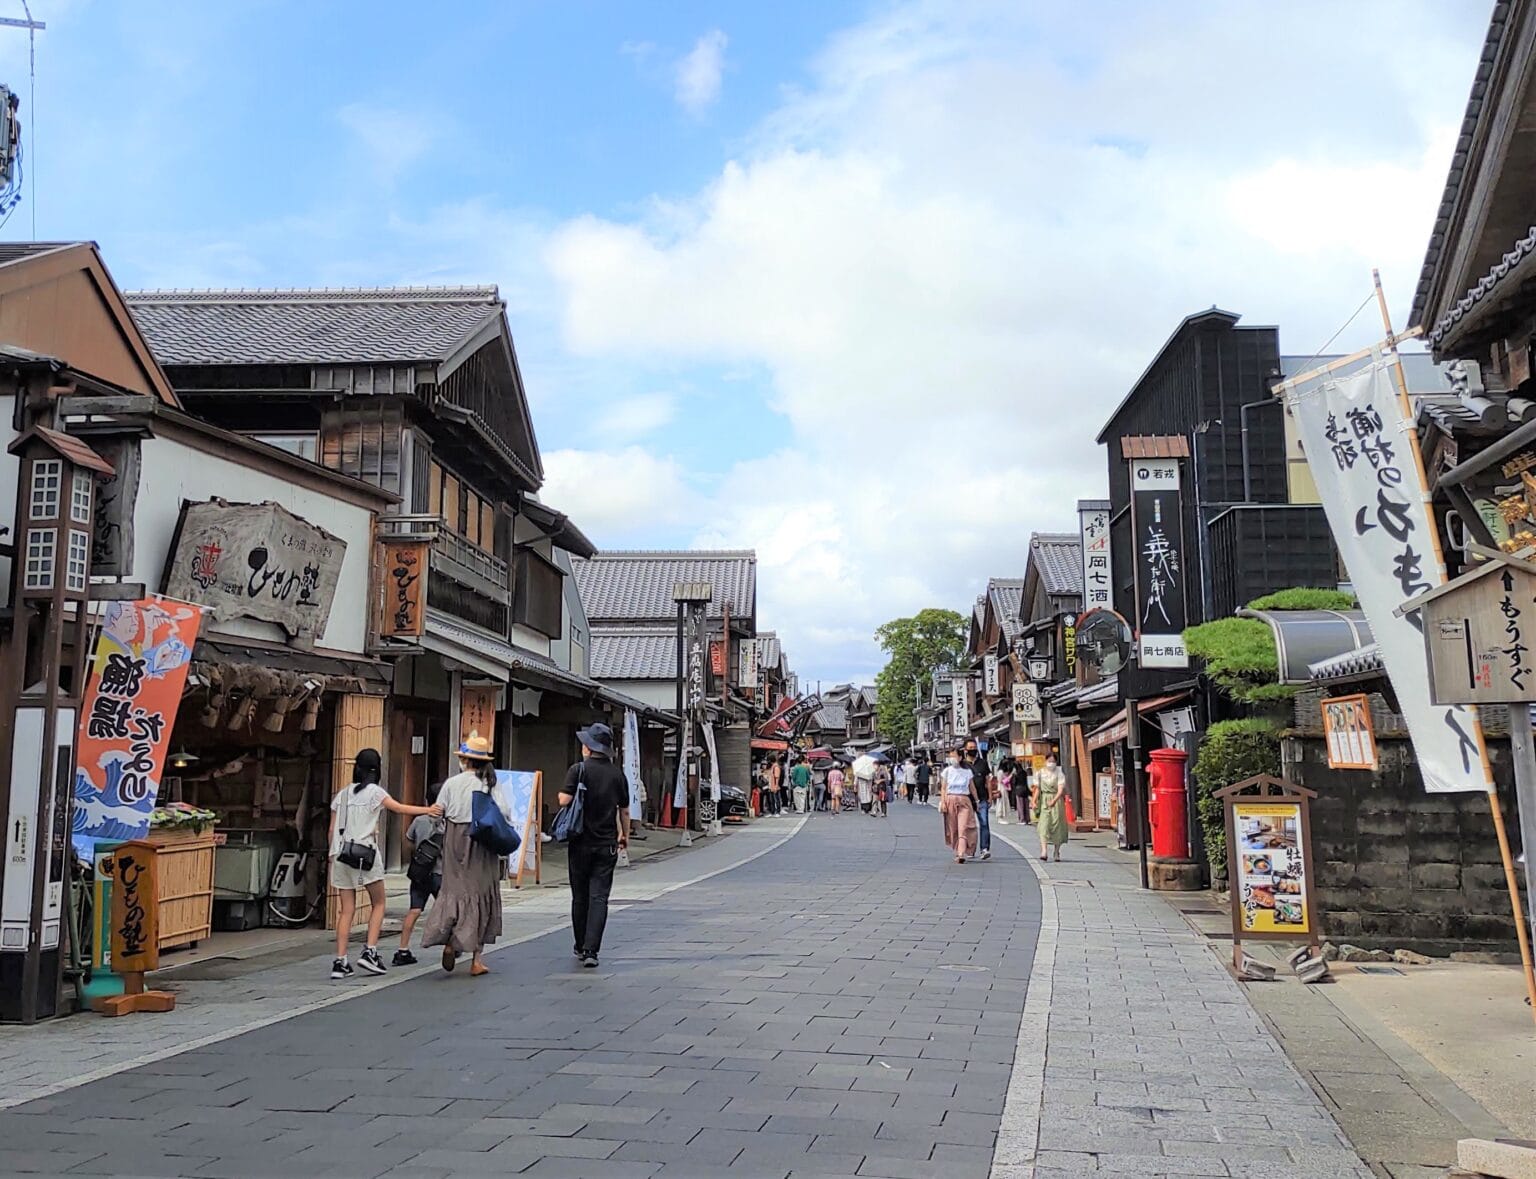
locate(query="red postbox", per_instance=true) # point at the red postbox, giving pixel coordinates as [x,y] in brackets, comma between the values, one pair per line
[1166,802]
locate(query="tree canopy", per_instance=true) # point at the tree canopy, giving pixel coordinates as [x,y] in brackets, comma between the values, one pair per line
[918,646]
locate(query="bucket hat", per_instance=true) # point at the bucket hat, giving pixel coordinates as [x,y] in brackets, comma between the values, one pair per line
[476,748]
[597,737]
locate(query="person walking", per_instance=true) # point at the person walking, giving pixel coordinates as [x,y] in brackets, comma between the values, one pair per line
[864,781]
[924,780]
[958,806]
[835,780]
[1021,791]
[982,796]
[605,829]
[909,778]
[1003,777]
[772,803]
[467,915]
[1051,807]
[355,823]
[425,872]
[800,780]
[821,790]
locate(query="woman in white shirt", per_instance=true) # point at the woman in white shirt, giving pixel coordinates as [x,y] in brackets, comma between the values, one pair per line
[959,807]
[355,819]
[467,915]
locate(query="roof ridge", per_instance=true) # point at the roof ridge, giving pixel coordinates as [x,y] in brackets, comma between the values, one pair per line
[380,294]
[1059,537]
[677,554]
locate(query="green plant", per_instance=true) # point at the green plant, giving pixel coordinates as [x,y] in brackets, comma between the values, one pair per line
[1302,598]
[918,646]
[1230,751]
[1240,658]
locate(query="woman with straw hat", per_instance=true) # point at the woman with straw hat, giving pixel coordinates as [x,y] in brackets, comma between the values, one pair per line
[467,915]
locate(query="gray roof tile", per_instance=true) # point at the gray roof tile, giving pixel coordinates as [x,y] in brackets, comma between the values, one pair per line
[1006,595]
[633,653]
[830,716]
[637,586]
[1059,556]
[386,325]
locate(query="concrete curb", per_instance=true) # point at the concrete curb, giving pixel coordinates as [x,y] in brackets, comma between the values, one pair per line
[1018,1138]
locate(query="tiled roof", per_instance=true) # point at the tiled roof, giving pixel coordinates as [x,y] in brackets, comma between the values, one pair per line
[1361,662]
[1006,595]
[637,586]
[1523,250]
[1460,158]
[830,716]
[1059,557]
[74,449]
[364,326]
[633,653]
[771,650]
[1150,446]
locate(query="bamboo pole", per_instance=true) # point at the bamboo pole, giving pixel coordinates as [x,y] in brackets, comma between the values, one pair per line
[1511,881]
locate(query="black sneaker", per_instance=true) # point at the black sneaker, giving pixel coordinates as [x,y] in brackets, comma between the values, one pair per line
[341,968]
[589,961]
[369,960]
[403,958]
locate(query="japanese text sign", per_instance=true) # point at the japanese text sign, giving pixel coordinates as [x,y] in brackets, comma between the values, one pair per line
[477,711]
[137,675]
[1098,579]
[135,909]
[405,589]
[1363,458]
[1479,634]
[750,657]
[256,561]
[960,714]
[990,675]
[1026,703]
[1157,525]
[1271,862]
[1350,738]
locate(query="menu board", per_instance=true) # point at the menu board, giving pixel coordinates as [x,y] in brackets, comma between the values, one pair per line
[1269,868]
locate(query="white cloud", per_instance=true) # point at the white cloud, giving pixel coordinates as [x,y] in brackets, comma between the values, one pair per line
[618,496]
[700,72]
[391,138]
[954,252]
[636,416]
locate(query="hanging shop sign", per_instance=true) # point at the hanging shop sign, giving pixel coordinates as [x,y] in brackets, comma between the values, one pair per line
[960,705]
[750,658]
[1480,633]
[1098,575]
[1269,841]
[774,725]
[405,589]
[256,561]
[477,710]
[116,495]
[1363,455]
[1026,703]
[1069,642]
[795,715]
[717,657]
[1039,670]
[1157,526]
[694,654]
[136,678]
[1350,738]
[990,675]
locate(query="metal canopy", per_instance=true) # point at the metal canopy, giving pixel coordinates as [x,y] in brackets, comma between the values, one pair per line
[1306,637]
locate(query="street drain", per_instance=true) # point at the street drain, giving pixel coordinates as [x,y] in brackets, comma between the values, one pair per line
[1378,970]
[965,967]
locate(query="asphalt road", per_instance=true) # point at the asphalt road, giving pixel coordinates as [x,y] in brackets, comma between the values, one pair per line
[846,1005]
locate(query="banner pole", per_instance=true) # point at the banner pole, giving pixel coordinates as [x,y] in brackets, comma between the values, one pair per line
[1518,744]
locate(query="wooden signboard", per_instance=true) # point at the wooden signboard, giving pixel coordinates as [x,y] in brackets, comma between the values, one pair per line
[404,611]
[135,930]
[477,711]
[1269,860]
[1480,634]
[1351,740]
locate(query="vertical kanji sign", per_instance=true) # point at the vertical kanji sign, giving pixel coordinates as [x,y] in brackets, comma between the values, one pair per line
[1098,578]
[137,675]
[1157,527]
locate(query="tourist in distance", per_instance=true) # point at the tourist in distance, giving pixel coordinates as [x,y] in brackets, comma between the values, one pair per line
[958,805]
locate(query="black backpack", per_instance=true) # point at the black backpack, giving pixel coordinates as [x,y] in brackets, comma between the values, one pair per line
[424,857]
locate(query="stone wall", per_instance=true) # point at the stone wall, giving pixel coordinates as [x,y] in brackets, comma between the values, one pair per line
[1396,867]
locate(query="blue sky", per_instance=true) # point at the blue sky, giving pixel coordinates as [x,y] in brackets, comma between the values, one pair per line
[852,284]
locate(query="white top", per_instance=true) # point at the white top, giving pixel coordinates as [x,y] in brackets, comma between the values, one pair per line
[957,780]
[457,797]
[357,815]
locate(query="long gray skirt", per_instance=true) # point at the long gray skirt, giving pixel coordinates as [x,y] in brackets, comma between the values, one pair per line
[467,912]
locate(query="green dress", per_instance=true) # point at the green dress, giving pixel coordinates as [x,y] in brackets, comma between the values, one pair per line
[1052,819]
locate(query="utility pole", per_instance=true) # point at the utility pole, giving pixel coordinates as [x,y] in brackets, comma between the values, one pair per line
[33,27]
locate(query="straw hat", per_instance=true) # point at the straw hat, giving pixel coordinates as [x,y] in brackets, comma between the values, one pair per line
[476,748]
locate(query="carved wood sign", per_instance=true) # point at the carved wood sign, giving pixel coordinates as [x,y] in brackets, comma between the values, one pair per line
[256,561]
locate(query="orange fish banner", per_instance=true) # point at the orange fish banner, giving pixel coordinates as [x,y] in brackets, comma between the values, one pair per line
[137,673]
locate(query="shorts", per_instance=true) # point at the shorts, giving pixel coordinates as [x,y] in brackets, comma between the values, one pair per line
[420,896]
[347,879]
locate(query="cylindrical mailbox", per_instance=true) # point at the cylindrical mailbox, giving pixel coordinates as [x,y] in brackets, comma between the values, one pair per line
[1166,802]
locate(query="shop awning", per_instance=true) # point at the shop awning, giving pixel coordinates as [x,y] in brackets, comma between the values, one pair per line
[770,744]
[1306,637]
[1115,729]
[472,650]
[372,677]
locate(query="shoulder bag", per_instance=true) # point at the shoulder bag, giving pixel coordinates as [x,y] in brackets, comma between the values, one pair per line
[489,827]
[354,854]
[571,820]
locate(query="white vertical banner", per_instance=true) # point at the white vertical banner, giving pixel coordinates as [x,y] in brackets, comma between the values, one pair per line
[714,762]
[750,657]
[1098,576]
[960,706]
[632,761]
[990,675]
[680,791]
[1360,449]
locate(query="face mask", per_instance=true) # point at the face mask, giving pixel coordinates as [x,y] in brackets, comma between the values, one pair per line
[1050,765]
[954,761]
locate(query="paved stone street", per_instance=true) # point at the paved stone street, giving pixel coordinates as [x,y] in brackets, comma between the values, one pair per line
[848,1004]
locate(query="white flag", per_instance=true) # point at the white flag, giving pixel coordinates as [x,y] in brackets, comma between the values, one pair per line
[632,762]
[1359,447]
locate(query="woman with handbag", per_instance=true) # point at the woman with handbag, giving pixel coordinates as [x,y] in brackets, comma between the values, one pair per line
[467,915]
[355,859]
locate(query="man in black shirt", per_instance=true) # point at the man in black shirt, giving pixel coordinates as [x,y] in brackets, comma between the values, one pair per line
[605,828]
[923,779]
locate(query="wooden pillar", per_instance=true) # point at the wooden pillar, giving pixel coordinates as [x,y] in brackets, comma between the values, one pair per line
[359,726]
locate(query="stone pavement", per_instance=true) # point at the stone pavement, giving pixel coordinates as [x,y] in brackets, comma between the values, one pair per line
[1154,1061]
[219,999]
[845,1005]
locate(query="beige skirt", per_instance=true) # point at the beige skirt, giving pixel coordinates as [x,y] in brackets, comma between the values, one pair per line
[467,912]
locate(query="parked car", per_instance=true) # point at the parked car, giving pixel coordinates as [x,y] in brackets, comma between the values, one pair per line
[733,804]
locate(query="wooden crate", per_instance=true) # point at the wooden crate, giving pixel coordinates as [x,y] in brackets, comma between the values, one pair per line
[184,863]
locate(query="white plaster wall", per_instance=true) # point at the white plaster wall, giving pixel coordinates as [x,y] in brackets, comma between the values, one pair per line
[172,471]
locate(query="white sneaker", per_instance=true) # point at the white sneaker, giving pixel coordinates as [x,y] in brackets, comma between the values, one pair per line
[986,855]
[370,961]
